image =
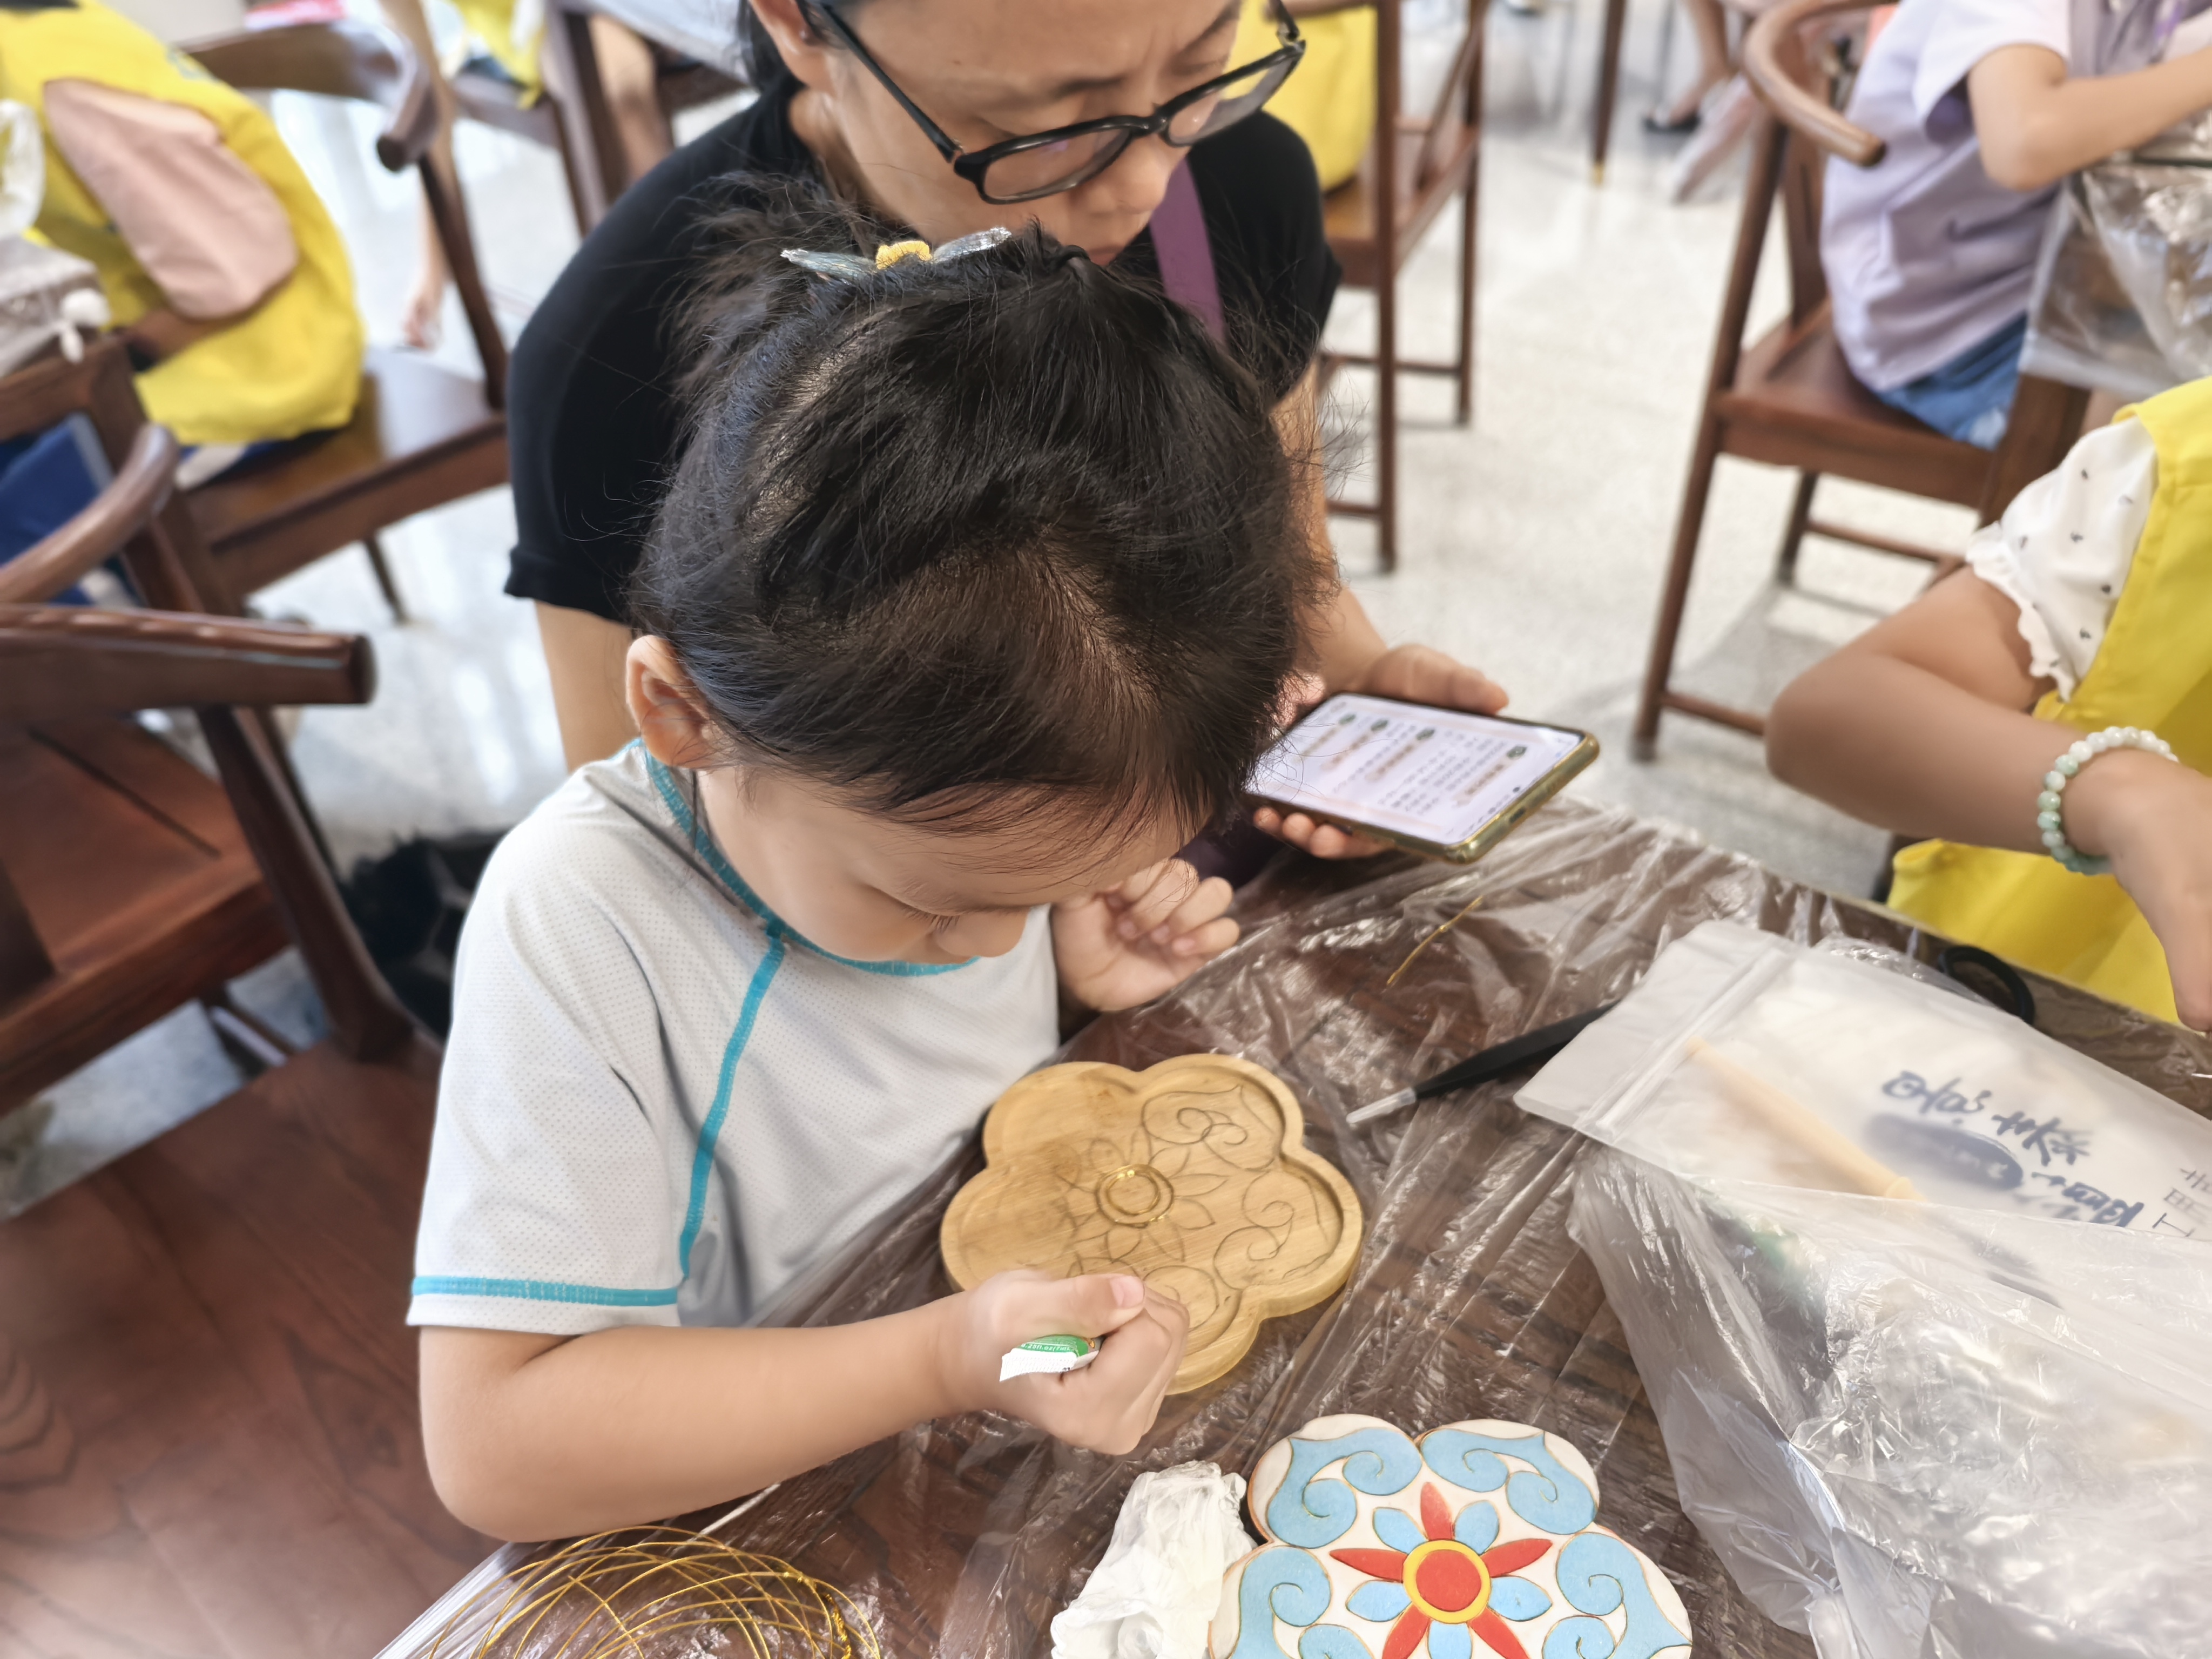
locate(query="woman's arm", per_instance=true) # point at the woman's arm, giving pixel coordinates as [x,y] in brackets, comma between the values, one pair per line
[1922,725]
[533,1436]
[585,654]
[1352,652]
[2036,124]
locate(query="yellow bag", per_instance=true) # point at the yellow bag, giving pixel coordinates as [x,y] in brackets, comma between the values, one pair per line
[1329,100]
[293,364]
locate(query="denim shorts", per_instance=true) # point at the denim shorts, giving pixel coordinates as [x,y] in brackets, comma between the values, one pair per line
[1970,398]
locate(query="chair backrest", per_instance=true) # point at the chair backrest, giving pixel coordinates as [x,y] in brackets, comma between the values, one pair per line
[141,489]
[373,65]
[59,661]
[163,548]
[1458,101]
[1796,129]
[1798,78]
[1441,131]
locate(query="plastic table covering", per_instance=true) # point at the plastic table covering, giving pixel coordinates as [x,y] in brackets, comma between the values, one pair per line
[1469,1299]
[2122,294]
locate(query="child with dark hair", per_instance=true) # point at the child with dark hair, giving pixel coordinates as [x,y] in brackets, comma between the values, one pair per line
[973,599]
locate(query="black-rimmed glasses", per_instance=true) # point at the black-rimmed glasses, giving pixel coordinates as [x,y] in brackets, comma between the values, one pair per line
[1046,163]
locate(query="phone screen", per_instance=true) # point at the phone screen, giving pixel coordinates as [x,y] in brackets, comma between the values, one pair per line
[1432,774]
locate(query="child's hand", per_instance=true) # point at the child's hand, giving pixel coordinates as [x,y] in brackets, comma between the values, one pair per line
[1109,1405]
[1117,949]
[2153,819]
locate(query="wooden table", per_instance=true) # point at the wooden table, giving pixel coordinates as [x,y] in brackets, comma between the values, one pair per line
[1469,1300]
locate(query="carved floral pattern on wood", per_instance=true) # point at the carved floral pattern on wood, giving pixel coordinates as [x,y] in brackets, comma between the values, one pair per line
[1193,1175]
[1478,1541]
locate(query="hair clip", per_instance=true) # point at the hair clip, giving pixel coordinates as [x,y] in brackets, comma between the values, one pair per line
[852,266]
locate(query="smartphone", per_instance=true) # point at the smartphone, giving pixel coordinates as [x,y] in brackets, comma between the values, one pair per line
[1432,780]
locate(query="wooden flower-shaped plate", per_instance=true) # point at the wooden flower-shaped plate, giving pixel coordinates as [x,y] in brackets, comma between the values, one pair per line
[1193,1175]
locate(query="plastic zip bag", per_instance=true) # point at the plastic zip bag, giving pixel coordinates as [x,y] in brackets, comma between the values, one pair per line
[1918,1407]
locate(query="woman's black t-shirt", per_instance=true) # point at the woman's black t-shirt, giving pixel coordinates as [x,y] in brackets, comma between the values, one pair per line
[593,425]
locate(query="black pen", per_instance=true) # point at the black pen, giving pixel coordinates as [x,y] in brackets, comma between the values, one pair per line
[1539,1044]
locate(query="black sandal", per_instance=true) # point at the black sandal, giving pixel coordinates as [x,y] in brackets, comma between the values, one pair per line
[1654,122]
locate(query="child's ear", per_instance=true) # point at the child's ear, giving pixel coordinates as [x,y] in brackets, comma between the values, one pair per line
[672,717]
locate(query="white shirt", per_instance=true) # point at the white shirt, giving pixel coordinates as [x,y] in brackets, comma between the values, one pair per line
[2063,548]
[660,1105]
[1926,256]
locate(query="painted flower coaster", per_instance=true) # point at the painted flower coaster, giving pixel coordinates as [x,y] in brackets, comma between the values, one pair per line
[1478,1541]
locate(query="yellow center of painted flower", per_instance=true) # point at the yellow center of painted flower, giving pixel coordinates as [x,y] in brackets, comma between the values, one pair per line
[1447,1581]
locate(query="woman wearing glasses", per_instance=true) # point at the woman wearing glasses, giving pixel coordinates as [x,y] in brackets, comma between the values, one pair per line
[1122,126]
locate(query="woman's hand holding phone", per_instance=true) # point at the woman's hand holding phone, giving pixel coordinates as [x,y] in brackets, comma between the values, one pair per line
[1408,673]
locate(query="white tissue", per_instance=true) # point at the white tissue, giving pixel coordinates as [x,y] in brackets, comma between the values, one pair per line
[1154,1593]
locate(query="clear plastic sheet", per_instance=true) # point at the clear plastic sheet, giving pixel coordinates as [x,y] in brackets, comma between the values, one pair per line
[2123,297]
[1967,1422]
[1469,1298]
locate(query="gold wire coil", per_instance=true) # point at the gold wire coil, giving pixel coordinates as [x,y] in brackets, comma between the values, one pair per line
[610,1595]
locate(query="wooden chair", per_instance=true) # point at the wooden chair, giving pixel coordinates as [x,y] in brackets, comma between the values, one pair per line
[599,167]
[422,435]
[127,888]
[1790,400]
[494,101]
[1613,32]
[209,1439]
[1414,165]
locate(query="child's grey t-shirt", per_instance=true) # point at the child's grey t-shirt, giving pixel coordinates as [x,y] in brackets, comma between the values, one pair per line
[660,1105]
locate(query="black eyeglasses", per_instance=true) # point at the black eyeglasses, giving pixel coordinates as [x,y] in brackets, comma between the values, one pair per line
[1046,163]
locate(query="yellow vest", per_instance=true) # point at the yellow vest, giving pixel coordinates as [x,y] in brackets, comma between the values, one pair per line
[1329,100]
[293,364]
[2154,671]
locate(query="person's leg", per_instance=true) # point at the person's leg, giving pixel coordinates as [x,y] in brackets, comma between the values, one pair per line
[585,656]
[631,77]
[419,319]
[1970,398]
[1710,24]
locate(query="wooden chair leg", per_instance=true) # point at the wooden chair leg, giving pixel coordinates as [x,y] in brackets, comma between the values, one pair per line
[1659,672]
[1386,420]
[1793,535]
[253,1045]
[1608,86]
[1469,222]
[376,562]
[564,148]
[599,170]
[2045,420]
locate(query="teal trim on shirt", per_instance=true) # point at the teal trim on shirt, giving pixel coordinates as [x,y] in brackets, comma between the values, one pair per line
[539,1289]
[710,1132]
[703,845]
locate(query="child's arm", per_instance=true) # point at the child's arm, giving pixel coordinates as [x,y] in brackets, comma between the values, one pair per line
[2037,124]
[1921,725]
[533,1436]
